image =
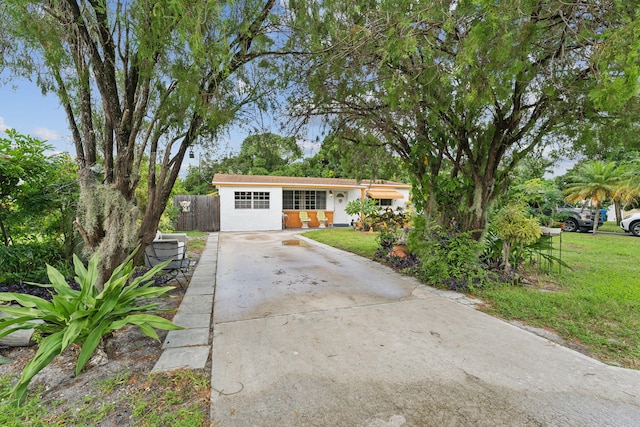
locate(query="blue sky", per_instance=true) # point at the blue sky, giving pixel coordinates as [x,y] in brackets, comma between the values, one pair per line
[23,107]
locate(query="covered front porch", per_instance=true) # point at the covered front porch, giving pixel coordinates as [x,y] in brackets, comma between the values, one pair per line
[291,218]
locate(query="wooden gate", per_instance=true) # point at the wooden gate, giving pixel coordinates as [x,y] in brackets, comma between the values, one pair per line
[200,213]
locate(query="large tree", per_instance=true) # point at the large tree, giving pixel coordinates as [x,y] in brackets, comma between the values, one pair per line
[140,81]
[462,90]
[267,154]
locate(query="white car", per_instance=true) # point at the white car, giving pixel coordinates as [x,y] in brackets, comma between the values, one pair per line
[631,224]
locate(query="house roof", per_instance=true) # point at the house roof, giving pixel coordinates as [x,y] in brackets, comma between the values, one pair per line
[221,179]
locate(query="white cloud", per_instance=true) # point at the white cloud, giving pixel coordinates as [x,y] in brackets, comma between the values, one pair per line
[3,125]
[309,147]
[46,134]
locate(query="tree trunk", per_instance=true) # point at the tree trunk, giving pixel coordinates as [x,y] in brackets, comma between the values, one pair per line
[618,209]
[107,222]
[506,254]
[478,201]
[5,234]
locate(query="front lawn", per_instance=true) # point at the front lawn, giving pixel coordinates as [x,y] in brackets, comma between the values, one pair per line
[611,227]
[361,243]
[595,304]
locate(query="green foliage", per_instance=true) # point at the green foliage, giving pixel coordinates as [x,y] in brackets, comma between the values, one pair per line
[447,259]
[366,207]
[261,154]
[166,403]
[82,316]
[513,226]
[595,181]
[392,228]
[26,262]
[35,190]
[354,155]
[446,85]
[515,229]
[598,182]
[178,398]
[540,250]
[31,414]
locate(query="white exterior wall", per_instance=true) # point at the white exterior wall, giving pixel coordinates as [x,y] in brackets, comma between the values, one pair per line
[402,203]
[355,194]
[232,219]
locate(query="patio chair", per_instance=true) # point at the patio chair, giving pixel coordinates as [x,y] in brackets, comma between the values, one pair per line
[322,219]
[304,219]
[170,249]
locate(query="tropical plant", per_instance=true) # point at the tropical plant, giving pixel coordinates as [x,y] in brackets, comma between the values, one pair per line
[82,316]
[366,208]
[595,181]
[515,229]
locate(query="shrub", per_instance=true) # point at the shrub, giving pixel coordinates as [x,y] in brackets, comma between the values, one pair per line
[82,316]
[27,262]
[446,259]
[366,207]
[516,230]
[493,256]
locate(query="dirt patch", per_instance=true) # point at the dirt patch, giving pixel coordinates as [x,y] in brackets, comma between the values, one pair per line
[541,283]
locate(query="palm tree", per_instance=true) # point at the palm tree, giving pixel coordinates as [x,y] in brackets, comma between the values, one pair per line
[627,191]
[595,181]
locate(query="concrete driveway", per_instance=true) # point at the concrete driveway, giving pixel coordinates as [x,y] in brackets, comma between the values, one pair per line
[307,335]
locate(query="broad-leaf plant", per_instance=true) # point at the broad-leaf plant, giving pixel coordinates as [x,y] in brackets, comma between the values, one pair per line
[82,316]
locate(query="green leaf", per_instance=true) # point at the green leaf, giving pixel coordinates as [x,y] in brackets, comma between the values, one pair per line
[150,319]
[26,300]
[74,330]
[64,307]
[58,281]
[149,331]
[48,349]
[107,306]
[89,346]
[22,322]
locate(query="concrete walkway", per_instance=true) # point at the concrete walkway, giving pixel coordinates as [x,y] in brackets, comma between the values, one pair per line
[307,335]
[190,348]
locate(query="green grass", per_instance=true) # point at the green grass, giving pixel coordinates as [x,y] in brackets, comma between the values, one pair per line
[176,399]
[197,240]
[611,227]
[361,243]
[596,303]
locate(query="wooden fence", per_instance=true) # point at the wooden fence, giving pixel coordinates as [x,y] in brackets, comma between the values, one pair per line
[197,213]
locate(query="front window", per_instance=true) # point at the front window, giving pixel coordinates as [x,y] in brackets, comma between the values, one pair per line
[251,199]
[304,200]
[384,202]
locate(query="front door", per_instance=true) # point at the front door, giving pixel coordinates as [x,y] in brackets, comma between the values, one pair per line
[340,200]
